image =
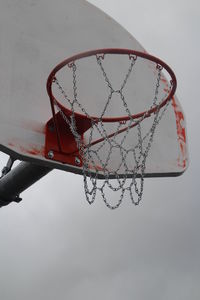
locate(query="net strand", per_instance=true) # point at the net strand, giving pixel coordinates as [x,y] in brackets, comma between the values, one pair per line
[94,164]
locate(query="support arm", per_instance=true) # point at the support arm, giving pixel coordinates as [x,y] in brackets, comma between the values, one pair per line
[18,180]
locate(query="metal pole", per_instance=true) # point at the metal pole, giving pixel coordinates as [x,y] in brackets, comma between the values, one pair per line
[18,180]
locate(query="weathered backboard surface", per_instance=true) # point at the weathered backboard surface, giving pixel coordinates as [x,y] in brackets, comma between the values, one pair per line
[35,35]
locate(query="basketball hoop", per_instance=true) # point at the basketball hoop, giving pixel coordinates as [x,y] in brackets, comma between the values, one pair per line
[107,146]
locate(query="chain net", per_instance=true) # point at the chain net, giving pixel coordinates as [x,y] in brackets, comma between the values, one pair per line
[110,163]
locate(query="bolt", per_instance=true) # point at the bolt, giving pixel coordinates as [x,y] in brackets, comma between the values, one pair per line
[51,154]
[77,161]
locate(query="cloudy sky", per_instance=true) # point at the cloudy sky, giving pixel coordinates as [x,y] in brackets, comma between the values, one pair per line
[53,245]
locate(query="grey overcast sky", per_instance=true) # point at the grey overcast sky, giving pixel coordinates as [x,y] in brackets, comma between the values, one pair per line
[55,246]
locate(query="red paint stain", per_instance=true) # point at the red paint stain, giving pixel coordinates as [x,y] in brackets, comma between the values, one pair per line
[33,126]
[11,145]
[96,167]
[33,150]
[166,90]
[182,160]
[164,80]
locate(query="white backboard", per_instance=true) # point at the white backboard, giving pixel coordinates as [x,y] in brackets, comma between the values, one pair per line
[36,36]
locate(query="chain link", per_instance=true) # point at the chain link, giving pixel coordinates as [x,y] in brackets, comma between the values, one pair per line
[132,181]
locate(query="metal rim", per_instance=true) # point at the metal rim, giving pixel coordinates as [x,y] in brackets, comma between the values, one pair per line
[113,51]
